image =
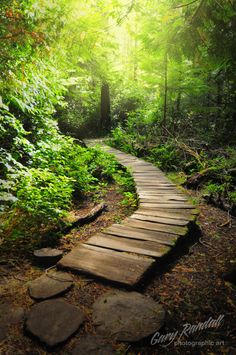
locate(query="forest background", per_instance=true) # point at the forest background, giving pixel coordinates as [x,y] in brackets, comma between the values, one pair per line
[156,77]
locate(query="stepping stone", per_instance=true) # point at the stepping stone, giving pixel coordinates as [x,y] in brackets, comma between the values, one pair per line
[47,256]
[3,331]
[127,316]
[53,321]
[50,285]
[93,345]
[9,315]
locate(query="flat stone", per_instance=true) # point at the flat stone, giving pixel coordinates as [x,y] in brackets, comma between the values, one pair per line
[93,345]
[47,256]
[3,331]
[9,315]
[127,316]
[50,285]
[53,321]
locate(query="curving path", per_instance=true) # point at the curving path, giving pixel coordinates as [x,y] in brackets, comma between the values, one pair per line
[124,253]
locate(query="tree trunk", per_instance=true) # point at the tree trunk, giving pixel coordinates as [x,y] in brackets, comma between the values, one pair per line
[178,102]
[165,95]
[105,108]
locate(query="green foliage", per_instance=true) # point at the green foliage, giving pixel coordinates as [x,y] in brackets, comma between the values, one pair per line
[122,140]
[127,186]
[125,180]
[170,78]
[59,170]
[212,188]
[166,157]
[129,199]
[232,198]
[43,195]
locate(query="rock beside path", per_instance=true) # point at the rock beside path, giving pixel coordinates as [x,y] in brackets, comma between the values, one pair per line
[53,321]
[9,315]
[93,345]
[127,316]
[47,256]
[50,285]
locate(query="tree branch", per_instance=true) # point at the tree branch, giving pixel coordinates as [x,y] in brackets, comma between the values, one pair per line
[197,10]
[121,19]
[184,5]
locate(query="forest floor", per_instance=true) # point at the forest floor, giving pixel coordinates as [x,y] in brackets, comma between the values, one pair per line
[191,290]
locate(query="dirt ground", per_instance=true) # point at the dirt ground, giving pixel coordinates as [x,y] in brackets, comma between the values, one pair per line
[191,289]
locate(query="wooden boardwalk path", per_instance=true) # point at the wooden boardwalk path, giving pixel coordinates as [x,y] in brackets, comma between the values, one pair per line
[124,253]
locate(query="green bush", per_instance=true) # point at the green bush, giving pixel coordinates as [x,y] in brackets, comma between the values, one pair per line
[166,157]
[43,194]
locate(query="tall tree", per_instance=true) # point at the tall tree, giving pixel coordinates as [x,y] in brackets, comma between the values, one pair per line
[105,108]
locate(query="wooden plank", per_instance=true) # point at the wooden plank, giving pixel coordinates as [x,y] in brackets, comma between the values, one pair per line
[111,265]
[137,163]
[160,187]
[166,205]
[160,197]
[145,172]
[126,161]
[158,192]
[155,226]
[190,211]
[147,182]
[151,176]
[148,175]
[153,187]
[138,233]
[156,200]
[129,245]
[172,214]
[149,172]
[174,222]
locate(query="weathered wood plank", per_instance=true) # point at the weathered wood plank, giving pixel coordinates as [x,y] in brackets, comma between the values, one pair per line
[146,172]
[157,191]
[156,200]
[151,178]
[159,197]
[149,175]
[138,233]
[149,188]
[149,248]
[107,264]
[166,205]
[190,211]
[174,222]
[173,214]
[155,226]
[147,182]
